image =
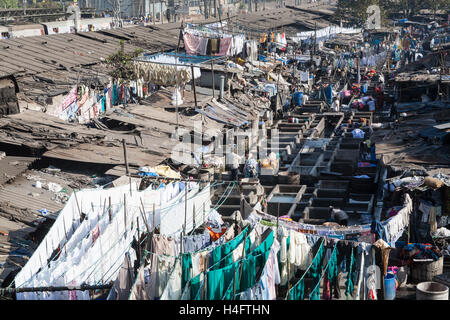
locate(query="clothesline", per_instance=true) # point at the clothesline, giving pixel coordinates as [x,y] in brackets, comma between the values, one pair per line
[306,271]
[323,272]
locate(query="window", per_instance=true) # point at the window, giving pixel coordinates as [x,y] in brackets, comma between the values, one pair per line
[56,30]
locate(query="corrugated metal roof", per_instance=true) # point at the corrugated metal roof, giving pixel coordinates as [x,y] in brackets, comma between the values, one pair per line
[33,55]
[11,166]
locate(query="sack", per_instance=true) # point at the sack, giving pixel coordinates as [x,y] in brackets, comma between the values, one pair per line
[433,182]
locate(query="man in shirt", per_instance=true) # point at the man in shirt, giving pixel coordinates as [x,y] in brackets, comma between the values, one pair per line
[338,216]
[251,166]
[304,98]
[335,105]
[234,160]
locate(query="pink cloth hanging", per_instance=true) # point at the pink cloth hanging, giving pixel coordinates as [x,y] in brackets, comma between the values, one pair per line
[194,45]
[224,45]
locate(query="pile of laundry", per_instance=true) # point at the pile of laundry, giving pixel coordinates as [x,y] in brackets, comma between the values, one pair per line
[420,251]
[161,170]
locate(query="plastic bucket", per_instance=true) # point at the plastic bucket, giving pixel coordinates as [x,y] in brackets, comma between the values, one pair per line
[389,286]
[431,291]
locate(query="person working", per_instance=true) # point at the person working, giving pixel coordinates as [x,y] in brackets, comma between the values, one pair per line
[335,106]
[339,216]
[234,160]
[251,167]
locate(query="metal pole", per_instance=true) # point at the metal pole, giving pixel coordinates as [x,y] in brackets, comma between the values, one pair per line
[278,217]
[193,84]
[153,13]
[222,86]
[154,214]
[315,36]
[193,218]
[110,210]
[212,76]
[82,287]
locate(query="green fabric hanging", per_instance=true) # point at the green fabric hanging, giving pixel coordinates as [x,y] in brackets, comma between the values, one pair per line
[297,291]
[196,286]
[315,294]
[186,266]
[215,257]
[228,295]
[114,95]
[215,284]
[262,251]
[223,251]
[349,287]
[248,273]
[315,270]
[219,280]
[332,266]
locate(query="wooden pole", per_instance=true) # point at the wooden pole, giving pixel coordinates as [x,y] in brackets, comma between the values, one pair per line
[193,84]
[104,207]
[145,221]
[204,285]
[78,206]
[65,232]
[243,258]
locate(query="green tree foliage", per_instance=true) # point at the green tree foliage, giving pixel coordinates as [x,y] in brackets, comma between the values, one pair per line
[409,7]
[356,10]
[9,4]
[435,5]
[122,64]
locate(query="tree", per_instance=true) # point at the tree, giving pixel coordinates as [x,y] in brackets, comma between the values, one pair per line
[122,64]
[435,5]
[9,4]
[409,7]
[356,10]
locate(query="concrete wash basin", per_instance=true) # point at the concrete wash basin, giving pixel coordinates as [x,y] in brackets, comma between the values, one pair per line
[284,198]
